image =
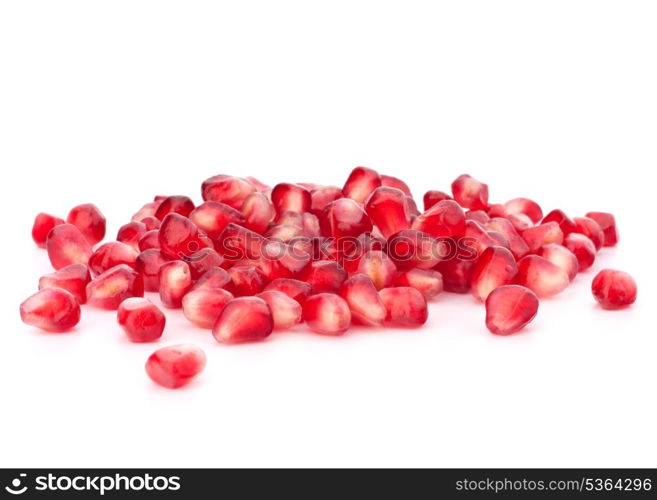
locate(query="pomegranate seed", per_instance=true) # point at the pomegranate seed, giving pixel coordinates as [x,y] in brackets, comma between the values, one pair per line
[327,313]
[589,227]
[541,276]
[51,309]
[560,256]
[148,264]
[286,196]
[295,289]
[520,221]
[540,235]
[285,311]
[428,282]
[457,274]
[115,285]
[323,275]
[245,280]
[495,267]
[150,239]
[89,220]
[175,282]
[477,237]
[443,220]
[202,306]
[66,245]
[141,320]
[470,193]
[310,225]
[112,254]
[175,366]
[43,223]
[607,223]
[478,216]
[361,183]
[412,248]
[236,243]
[212,217]
[614,289]
[496,210]
[151,223]
[344,218]
[432,197]
[363,299]
[524,206]
[73,278]
[174,204]
[244,319]
[147,211]
[290,218]
[411,208]
[510,308]
[379,267]
[204,260]
[565,223]
[258,212]
[499,240]
[517,244]
[405,306]
[131,233]
[583,248]
[394,182]
[284,232]
[180,238]
[388,209]
[226,189]
[322,196]
[215,277]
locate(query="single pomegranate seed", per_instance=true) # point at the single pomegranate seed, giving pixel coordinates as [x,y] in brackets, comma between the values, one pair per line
[607,223]
[237,243]
[363,299]
[591,229]
[131,233]
[148,264]
[280,260]
[175,366]
[151,223]
[470,193]
[115,285]
[430,198]
[379,267]
[258,212]
[499,240]
[344,218]
[244,319]
[284,232]
[204,260]
[495,267]
[66,245]
[295,289]
[245,280]
[226,189]
[496,210]
[541,276]
[411,207]
[43,223]
[560,256]
[478,216]
[614,289]
[477,237]
[443,220]
[428,282]
[148,210]
[583,248]
[73,278]
[180,238]
[360,184]
[394,182]
[141,320]
[215,277]
[327,313]
[520,221]
[322,196]
[565,223]
[517,244]
[51,309]
[310,225]
[388,209]
[285,311]
[150,239]
[202,306]
[412,248]
[89,220]
[524,206]
[286,196]
[112,254]
[174,204]
[212,217]
[405,306]
[540,235]
[290,218]
[457,274]
[323,276]
[510,308]
[175,282]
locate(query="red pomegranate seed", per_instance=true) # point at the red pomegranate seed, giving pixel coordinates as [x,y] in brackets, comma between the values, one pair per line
[430,198]
[412,248]
[394,182]
[379,267]
[565,223]
[89,220]
[66,245]
[310,225]
[202,306]
[151,223]
[260,186]
[115,285]
[470,193]
[560,256]
[322,196]
[290,218]
[204,260]
[286,196]
[443,220]
[327,313]
[212,217]
[148,210]
[543,234]
[524,206]
[150,239]
[520,221]
[258,212]
[73,278]
[148,264]
[363,299]
[591,229]
[614,289]
[175,282]
[361,183]
[237,243]
[496,210]
[281,260]
[323,276]
[457,274]
[175,366]
[131,233]
[344,218]
[180,238]
[510,308]
[517,244]
[428,282]
[388,209]
[226,189]
[112,254]
[411,208]
[583,248]
[245,319]
[284,232]
[43,223]
[286,312]
[182,205]
[541,276]
[607,223]
[295,289]
[51,309]
[215,277]
[245,280]
[405,306]
[478,216]
[499,240]
[496,267]
[141,320]
[477,237]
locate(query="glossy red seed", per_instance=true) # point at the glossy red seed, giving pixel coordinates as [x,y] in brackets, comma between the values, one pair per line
[66,245]
[245,280]
[226,189]
[212,217]
[543,234]
[245,319]
[131,233]
[175,281]
[151,223]
[295,289]
[344,218]
[322,196]
[476,237]
[175,366]
[150,239]
[457,274]
[73,278]
[607,223]
[496,267]
[443,220]
[479,216]
[496,210]
[430,198]
[203,305]
[115,285]
[524,206]
[43,223]
[215,277]
[290,218]
[541,276]
[411,248]
[470,193]
[379,267]
[559,216]
[394,182]
[141,320]
[428,282]
[89,220]
[583,248]
[112,254]
[238,243]
[388,210]
[204,260]
[180,238]
[363,299]
[517,244]
[510,308]
[591,229]
[148,265]
[499,239]
[327,313]
[284,232]
[148,210]
[286,196]
[323,276]
[614,289]
[360,184]
[51,309]
[405,306]
[560,256]
[182,205]
[258,212]
[286,312]
[520,221]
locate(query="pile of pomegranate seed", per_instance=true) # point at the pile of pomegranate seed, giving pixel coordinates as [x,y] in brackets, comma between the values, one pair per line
[252,259]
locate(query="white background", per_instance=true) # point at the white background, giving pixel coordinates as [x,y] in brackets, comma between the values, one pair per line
[115,102]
